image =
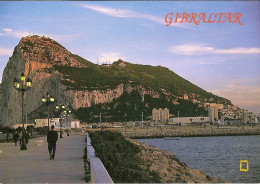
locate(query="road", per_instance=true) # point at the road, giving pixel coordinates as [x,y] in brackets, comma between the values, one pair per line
[33,165]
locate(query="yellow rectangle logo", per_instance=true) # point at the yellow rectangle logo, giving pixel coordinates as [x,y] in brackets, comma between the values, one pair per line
[241,165]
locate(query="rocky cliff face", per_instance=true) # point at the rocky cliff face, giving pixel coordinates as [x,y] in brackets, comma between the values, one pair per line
[35,57]
[28,58]
[81,99]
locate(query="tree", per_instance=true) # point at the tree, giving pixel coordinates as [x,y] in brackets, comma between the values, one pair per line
[7,130]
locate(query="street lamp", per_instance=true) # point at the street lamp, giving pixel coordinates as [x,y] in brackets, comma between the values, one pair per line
[22,88]
[67,114]
[60,107]
[48,99]
[61,122]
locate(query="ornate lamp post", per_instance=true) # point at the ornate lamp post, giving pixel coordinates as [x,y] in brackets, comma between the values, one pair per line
[48,99]
[67,114]
[22,88]
[60,107]
[61,122]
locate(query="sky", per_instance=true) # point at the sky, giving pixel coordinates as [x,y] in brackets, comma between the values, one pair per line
[222,58]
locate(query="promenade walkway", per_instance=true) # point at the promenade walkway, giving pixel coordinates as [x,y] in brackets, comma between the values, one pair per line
[33,165]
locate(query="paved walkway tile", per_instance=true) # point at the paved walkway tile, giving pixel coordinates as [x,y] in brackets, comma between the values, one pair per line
[33,165]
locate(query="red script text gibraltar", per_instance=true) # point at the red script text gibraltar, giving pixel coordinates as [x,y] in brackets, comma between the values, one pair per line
[202,18]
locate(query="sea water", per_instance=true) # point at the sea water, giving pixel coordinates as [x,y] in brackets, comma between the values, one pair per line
[218,156]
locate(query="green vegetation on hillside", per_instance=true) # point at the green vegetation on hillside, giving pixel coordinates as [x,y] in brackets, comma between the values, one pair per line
[90,78]
[107,77]
[129,107]
[120,158]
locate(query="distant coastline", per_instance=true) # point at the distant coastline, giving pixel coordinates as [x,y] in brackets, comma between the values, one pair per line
[195,135]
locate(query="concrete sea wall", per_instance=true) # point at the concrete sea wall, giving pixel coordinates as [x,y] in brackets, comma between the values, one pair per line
[98,172]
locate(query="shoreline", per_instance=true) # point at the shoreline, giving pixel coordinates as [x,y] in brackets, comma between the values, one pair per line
[170,168]
[207,135]
[187,131]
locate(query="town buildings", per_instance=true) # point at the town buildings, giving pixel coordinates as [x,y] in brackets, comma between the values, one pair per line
[44,122]
[57,122]
[160,115]
[237,115]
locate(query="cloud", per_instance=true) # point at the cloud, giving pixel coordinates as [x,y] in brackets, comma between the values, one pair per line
[123,13]
[241,94]
[5,52]
[13,33]
[19,34]
[202,49]
[200,60]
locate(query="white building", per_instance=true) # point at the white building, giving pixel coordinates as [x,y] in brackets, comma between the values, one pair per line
[213,114]
[160,115]
[44,122]
[258,118]
[245,116]
[74,124]
[189,120]
[56,122]
[252,117]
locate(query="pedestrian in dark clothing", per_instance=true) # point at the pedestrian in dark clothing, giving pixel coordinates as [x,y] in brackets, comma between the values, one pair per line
[20,137]
[67,132]
[52,138]
[15,137]
[26,136]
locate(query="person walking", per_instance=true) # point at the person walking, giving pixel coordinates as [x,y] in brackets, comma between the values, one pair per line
[26,137]
[52,138]
[15,137]
[20,137]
